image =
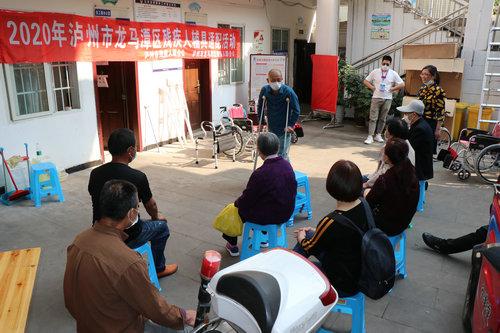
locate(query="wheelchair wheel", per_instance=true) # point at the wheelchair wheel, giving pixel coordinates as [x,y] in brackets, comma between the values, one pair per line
[463,175]
[488,163]
[239,144]
[455,166]
[444,141]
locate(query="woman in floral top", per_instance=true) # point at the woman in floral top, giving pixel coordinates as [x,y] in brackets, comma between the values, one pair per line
[432,95]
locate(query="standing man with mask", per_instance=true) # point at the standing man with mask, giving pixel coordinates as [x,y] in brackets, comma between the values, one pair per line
[383,82]
[277,94]
[121,145]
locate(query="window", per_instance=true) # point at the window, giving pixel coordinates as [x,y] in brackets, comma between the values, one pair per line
[40,89]
[280,40]
[231,70]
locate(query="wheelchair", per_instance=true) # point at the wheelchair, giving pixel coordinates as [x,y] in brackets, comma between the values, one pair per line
[476,151]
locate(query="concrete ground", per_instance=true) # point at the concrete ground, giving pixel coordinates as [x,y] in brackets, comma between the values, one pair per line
[429,300]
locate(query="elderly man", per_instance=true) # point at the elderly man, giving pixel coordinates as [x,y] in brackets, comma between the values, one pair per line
[277,95]
[106,284]
[269,197]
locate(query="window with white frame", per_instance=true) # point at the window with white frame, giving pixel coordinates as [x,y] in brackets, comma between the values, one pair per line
[42,88]
[231,70]
[280,40]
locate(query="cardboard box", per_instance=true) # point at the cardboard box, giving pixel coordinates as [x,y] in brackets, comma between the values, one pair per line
[443,65]
[430,51]
[450,82]
[449,105]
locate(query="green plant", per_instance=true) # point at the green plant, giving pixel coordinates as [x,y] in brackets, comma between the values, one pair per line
[357,95]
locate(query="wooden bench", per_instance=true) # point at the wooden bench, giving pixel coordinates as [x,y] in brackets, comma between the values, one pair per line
[17,277]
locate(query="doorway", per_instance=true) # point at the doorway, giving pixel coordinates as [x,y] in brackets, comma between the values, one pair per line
[302,69]
[197,89]
[116,97]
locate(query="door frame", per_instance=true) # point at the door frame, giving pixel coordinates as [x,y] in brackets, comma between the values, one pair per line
[205,87]
[97,108]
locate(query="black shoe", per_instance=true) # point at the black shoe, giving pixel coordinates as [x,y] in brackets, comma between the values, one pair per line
[434,242]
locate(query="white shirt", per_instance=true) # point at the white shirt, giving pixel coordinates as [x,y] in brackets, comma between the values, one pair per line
[383,81]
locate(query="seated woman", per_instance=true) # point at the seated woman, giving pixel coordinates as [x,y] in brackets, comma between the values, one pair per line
[394,196]
[269,197]
[396,128]
[336,246]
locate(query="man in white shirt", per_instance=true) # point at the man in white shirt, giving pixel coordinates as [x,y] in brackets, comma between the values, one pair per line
[383,82]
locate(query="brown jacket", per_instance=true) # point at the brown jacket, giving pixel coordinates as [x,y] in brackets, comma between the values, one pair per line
[107,288]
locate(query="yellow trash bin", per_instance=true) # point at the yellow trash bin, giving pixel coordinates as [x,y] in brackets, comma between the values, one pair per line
[458,119]
[473,114]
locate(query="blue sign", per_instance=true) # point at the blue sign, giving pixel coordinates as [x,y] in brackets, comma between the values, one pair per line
[102,12]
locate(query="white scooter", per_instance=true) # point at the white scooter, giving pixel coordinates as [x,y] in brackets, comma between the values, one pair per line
[273,292]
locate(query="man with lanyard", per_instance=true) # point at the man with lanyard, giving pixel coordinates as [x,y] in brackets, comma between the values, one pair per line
[383,82]
[277,95]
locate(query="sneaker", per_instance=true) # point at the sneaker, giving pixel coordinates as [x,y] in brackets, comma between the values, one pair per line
[233,250]
[169,270]
[264,244]
[378,138]
[369,140]
[434,242]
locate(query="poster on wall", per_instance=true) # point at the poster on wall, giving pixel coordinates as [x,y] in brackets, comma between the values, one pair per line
[260,65]
[381,26]
[157,11]
[258,41]
[195,18]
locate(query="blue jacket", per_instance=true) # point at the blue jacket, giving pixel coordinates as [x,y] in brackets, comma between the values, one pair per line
[276,108]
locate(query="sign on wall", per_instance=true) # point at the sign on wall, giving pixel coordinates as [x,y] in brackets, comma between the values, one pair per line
[51,37]
[196,18]
[260,65]
[381,26]
[258,41]
[157,11]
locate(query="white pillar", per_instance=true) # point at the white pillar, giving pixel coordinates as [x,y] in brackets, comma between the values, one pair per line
[327,27]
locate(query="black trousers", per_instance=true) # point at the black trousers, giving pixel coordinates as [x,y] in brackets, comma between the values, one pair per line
[465,242]
[433,124]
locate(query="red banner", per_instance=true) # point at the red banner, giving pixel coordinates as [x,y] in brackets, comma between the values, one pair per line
[51,37]
[324,82]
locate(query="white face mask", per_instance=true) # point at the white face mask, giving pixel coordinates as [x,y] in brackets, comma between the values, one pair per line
[134,221]
[428,83]
[275,85]
[406,118]
[385,67]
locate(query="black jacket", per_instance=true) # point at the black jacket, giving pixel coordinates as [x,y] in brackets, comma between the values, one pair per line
[422,141]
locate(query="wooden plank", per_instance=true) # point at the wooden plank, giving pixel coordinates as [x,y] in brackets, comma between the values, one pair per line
[430,51]
[17,273]
[443,65]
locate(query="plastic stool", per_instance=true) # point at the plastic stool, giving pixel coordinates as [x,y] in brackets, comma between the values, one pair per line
[400,253]
[41,189]
[355,306]
[253,236]
[421,199]
[146,253]
[303,198]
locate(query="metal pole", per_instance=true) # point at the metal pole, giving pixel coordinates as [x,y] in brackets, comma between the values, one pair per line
[259,129]
[286,144]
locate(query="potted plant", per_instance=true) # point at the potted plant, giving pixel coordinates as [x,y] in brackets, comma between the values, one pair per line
[359,97]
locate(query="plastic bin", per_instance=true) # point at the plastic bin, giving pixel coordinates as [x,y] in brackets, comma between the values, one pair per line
[458,118]
[473,114]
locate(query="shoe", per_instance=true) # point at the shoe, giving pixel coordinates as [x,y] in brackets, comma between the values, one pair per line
[369,140]
[434,242]
[169,270]
[378,138]
[264,244]
[233,250]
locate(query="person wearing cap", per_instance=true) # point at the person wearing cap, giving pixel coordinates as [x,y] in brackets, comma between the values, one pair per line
[276,94]
[421,138]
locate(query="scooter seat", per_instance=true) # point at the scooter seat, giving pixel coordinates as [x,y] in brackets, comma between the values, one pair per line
[258,292]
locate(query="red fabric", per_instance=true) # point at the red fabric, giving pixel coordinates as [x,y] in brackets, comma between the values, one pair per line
[324,82]
[51,37]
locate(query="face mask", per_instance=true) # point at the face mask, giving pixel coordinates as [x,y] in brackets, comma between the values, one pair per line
[385,67]
[134,221]
[275,85]
[406,118]
[428,83]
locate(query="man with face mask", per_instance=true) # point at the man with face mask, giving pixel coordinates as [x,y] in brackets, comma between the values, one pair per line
[276,94]
[121,145]
[383,82]
[421,138]
[106,284]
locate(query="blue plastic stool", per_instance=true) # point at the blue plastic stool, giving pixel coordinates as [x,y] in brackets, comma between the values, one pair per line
[253,236]
[421,199]
[50,187]
[303,198]
[400,253]
[146,253]
[355,306]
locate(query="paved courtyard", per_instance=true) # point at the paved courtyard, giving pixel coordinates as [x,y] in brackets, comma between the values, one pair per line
[429,300]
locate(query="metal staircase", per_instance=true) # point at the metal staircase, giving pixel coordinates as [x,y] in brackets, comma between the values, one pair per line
[444,23]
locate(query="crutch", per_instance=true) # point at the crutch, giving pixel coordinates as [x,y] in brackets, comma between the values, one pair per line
[286,144]
[264,105]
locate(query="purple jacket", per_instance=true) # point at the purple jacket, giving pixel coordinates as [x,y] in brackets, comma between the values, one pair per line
[269,197]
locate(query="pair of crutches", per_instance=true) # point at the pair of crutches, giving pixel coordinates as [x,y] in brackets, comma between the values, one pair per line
[286,143]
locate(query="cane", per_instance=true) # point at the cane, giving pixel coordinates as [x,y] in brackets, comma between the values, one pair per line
[259,129]
[286,144]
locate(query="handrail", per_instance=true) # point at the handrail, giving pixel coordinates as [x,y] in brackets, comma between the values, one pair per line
[434,26]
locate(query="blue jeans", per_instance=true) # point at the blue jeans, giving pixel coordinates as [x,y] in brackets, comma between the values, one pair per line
[157,233]
[281,151]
